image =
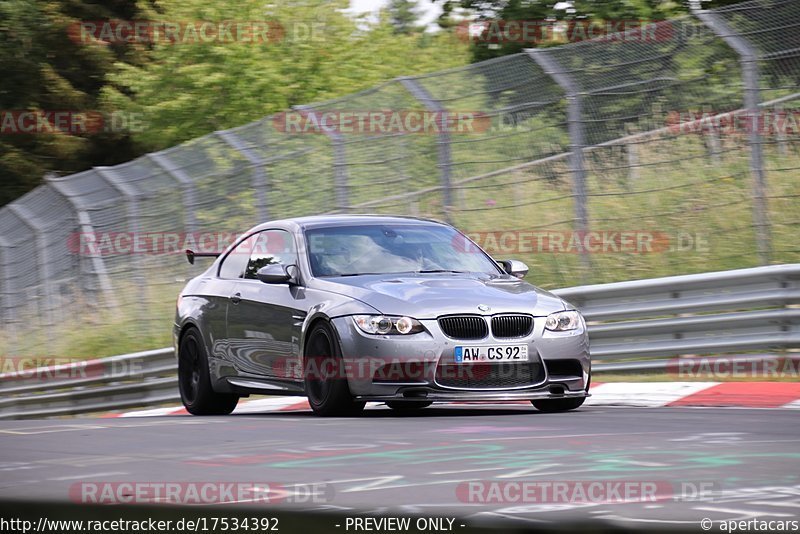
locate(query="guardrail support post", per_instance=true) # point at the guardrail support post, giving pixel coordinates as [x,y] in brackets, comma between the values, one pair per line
[577,139]
[748,57]
[444,155]
[260,179]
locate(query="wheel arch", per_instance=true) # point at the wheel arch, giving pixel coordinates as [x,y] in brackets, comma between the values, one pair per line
[308,327]
[328,311]
[185,327]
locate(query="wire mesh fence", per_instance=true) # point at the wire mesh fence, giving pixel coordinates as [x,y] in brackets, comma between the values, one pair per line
[669,150]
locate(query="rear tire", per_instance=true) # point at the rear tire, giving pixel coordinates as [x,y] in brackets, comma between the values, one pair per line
[408,406]
[558,405]
[194,379]
[325,381]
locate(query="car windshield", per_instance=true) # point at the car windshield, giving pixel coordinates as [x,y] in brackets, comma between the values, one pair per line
[394,248]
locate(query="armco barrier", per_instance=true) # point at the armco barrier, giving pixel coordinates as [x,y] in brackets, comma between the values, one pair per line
[745,310]
[614,134]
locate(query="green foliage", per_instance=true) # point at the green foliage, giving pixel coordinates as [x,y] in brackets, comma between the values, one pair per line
[188,90]
[593,11]
[184,90]
[44,70]
[403,14]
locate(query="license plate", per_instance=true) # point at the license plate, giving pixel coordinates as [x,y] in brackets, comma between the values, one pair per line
[491,353]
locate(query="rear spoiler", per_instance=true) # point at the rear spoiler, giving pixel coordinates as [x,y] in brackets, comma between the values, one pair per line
[191,255]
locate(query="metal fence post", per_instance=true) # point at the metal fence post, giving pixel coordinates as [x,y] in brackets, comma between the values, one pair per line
[187,193]
[340,170]
[748,57]
[87,229]
[5,304]
[130,195]
[132,214]
[783,149]
[445,158]
[577,139]
[43,257]
[340,178]
[260,179]
[632,156]
[187,188]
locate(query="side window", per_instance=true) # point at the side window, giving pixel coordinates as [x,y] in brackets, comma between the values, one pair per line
[271,247]
[235,262]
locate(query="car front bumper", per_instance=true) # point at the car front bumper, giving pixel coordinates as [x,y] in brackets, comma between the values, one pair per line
[362,354]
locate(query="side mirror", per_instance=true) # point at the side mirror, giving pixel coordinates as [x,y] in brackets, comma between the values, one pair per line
[514,268]
[273,274]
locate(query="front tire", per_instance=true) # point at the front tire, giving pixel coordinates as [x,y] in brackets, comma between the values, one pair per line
[194,379]
[325,381]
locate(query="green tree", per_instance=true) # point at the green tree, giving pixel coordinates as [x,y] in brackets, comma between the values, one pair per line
[403,14]
[45,70]
[486,45]
[188,90]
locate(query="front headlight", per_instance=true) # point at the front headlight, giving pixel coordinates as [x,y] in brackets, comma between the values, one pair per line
[562,321]
[381,324]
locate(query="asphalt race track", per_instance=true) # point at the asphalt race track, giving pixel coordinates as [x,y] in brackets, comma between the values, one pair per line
[717,463]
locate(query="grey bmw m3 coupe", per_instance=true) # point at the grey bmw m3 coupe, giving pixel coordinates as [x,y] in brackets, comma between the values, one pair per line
[352,309]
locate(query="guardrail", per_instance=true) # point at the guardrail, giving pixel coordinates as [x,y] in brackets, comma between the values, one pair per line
[711,313]
[137,379]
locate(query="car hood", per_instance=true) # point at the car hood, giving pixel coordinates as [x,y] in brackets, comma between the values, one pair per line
[429,296]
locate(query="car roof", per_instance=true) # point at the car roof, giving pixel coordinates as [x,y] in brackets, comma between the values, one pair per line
[317,221]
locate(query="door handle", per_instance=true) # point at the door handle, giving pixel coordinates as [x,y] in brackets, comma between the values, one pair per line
[236,298]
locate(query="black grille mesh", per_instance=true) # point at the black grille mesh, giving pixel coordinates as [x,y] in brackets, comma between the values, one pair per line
[464,327]
[511,325]
[474,326]
[489,375]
